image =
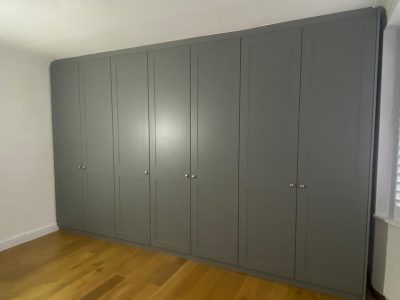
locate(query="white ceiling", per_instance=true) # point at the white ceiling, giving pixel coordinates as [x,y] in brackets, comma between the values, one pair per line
[65,28]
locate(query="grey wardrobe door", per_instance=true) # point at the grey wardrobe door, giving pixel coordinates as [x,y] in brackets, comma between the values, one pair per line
[98,157]
[215,148]
[67,144]
[169,93]
[131,147]
[336,125]
[268,151]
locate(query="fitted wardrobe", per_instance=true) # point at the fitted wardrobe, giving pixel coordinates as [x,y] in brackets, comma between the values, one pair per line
[253,149]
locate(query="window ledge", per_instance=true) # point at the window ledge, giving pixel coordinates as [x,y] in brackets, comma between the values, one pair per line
[388,220]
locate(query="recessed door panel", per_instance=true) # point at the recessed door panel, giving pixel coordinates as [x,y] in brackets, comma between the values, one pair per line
[336,128]
[215,146]
[268,151]
[131,147]
[98,137]
[67,144]
[169,91]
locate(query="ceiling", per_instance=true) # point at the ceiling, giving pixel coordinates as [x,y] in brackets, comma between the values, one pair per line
[65,28]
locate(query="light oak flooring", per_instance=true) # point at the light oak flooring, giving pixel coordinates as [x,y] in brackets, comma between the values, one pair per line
[69,266]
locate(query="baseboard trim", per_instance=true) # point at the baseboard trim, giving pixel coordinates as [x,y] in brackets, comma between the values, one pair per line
[27,236]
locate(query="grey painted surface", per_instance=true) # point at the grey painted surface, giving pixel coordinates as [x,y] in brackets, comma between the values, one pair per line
[336,125]
[67,144]
[214,149]
[98,152]
[268,151]
[131,147]
[169,94]
[169,83]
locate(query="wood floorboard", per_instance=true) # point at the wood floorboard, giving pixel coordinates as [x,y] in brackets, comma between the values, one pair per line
[65,265]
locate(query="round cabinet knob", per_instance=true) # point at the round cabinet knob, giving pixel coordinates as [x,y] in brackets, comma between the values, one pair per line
[302,186]
[79,167]
[146,172]
[292,185]
[194,176]
[83,167]
[187,176]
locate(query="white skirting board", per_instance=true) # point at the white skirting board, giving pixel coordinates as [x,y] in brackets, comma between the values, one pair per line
[27,236]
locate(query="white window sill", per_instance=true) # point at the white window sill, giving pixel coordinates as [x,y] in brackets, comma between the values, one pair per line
[388,220]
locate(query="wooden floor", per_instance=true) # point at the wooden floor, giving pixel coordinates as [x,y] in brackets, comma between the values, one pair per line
[69,266]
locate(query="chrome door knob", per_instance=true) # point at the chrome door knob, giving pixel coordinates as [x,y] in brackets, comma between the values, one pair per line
[187,176]
[302,186]
[146,172]
[194,176]
[292,185]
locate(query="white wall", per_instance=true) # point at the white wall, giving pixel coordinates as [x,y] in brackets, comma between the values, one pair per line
[386,262]
[27,205]
[388,121]
[391,288]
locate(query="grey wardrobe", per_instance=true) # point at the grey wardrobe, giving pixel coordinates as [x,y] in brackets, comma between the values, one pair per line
[169,86]
[253,149]
[268,151]
[83,145]
[67,141]
[335,150]
[131,147]
[214,149]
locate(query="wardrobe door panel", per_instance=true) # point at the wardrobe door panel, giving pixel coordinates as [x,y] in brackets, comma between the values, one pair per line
[336,126]
[215,146]
[67,144]
[268,151]
[99,172]
[131,140]
[169,91]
